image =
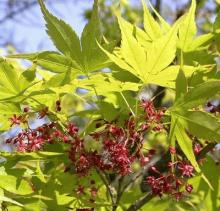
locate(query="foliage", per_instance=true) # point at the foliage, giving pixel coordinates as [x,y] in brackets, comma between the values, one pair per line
[100,142]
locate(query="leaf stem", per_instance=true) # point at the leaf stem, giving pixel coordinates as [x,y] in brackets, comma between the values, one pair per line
[96,93]
[127,104]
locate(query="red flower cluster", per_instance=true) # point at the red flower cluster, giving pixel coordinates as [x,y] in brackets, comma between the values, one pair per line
[171,183]
[152,115]
[121,146]
[33,139]
[117,156]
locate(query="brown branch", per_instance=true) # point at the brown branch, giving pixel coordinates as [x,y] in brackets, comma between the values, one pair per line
[108,187]
[158,5]
[205,150]
[140,202]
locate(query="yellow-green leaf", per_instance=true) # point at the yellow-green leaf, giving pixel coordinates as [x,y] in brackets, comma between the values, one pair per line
[151,26]
[187,30]
[185,144]
[162,51]
[62,35]
[134,58]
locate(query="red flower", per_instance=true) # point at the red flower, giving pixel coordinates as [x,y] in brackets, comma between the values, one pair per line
[187,169]
[82,165]
[93,192]
[189,188]
[26,109]
[80,190]
[178,195]
[144,161]
[172,150]
[16,120]
[72,129]
[197,148]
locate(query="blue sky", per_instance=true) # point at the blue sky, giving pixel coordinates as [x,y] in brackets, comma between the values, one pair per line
[34,36]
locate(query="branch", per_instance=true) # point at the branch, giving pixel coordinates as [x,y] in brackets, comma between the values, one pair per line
[108,187]
[140,202]
[158,5]
[205,150]
[119,194]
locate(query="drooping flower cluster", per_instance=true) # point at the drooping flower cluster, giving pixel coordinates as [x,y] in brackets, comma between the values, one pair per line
[89,190]
[120,145]
[152,115]
[29,140]
[117,156]
[172,181]
[33,139]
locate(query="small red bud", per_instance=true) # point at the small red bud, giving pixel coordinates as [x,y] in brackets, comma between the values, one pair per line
[209,104]
[144,161]
[58,108]
[189,188]
[26,109]
[58,102]
[172,150]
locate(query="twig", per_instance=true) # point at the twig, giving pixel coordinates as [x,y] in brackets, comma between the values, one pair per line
[140,202]
[107,187]
[205,150]
[119,194]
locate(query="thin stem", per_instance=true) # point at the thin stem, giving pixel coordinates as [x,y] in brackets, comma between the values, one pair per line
[132,181]
[96,93]
[119,194]
[159,93]
[85,101]
[107,187]
[90,121]
[127,104]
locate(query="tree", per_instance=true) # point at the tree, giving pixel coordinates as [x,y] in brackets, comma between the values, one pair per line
[101,143]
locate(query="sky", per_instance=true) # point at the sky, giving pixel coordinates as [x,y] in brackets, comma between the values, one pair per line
[32,37]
